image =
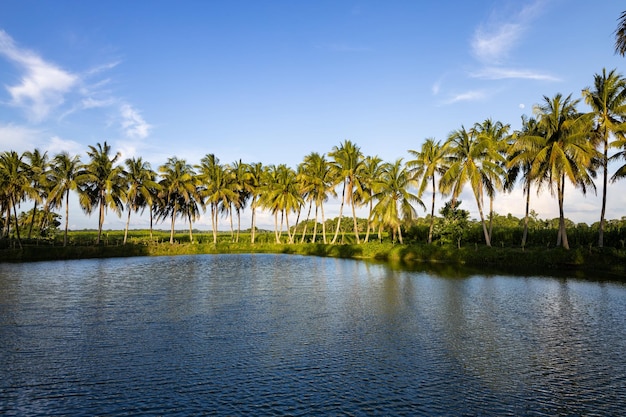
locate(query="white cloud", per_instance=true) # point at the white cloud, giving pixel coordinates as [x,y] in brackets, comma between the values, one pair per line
[57,145]
[43,85]
[496,73]
[133,124]
[493,41]
[18,138]
[467,96]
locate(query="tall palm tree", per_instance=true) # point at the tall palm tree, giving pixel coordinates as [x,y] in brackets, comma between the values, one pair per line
[607,100]
[140,180]
[218,189]
[347,164]
[520,156]
[178,187]
[254,185]
[317,174]
[38,165]
[240,185]
[498,134]
[15,184]
[66,174]
[394,200]
[473,160]
[281,195]
[104,183]
[620,35]
[567,153]
[431,160]
[371,172]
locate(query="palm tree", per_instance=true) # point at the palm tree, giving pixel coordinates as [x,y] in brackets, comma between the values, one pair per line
[498,134]
[217,188]
[521,154]
[140,180]
[371,172]
[178,187]
[608,106]
[395,201]
[15,185]
[429,161]
[38,165]
[474,160]
[254,185]
[567,151]
[240,185]
[620,35]
[317,174]
[281,195]
[347,164]
[104,183]
[66,174]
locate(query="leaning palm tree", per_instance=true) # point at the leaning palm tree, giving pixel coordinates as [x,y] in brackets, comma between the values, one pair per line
[14,183]
[620,35]
[431,160]
[473,160]
[607,99]
[178,186]
[347,164]
[66,174]
[140,180]
[394,200]
[38,165]
[567,152]
[104,183]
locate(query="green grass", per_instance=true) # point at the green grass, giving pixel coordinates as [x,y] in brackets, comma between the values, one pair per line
[540,260]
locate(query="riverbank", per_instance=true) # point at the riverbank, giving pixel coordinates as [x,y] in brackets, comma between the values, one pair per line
[549,261]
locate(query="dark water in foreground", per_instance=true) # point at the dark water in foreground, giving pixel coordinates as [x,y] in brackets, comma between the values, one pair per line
[290,335]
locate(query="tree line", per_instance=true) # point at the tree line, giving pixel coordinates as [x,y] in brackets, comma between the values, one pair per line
[557,146]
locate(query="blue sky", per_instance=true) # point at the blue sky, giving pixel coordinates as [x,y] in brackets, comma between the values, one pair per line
[272,81]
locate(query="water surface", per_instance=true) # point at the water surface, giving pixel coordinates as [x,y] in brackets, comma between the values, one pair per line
[292,335]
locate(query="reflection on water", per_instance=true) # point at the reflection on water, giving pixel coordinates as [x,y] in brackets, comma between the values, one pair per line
[278,334]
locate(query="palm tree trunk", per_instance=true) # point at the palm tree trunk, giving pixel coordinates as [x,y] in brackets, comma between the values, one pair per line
[356,226]
[315,225]
[369,219]
[127,224]
[238,225]
[525,234]
[276,226]
[151,215]
[214,221]
[562,230]
[67,216]
[253,226]
[32,220]
[323,223]
[7,224]
[230,215]
[604,184]
[172,229]
[190,229]
[100,219]
[343,194]
[17,227]
[482,220]
[432,214]
[306,223]
[400,234]
[490,218]
[291,236]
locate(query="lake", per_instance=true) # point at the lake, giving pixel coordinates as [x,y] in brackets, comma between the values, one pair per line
[292,335]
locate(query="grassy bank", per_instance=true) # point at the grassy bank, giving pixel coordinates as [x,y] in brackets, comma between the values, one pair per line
[546,261]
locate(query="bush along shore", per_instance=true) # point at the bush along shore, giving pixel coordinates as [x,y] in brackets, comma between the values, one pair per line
[588,261]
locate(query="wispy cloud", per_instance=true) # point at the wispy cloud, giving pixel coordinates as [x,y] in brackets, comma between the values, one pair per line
[43,84]
[494,39]
[467,96]
[18,138]
[497,73]
[133,124]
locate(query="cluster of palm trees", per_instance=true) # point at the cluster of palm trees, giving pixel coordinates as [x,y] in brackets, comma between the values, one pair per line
[558,145]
